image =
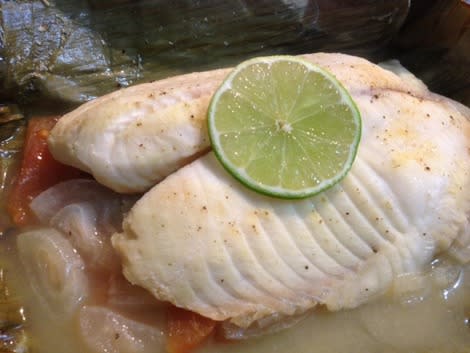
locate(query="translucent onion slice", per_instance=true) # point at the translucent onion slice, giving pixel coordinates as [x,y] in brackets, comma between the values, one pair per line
[88,214]
[66,193]
[108,205]
[265,326]
[80,223]
[104,330]
[55,271]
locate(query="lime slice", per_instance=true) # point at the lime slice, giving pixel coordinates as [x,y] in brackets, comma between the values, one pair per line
[284,127]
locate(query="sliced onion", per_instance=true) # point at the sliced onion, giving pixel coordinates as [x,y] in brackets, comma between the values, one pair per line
[104,330]
[411,288]
[267,325]
[55,271]
[88,214]
[78,222]
[49,202]
[109,205]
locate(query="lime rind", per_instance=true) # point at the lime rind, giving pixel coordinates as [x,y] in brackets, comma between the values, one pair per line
[258,97]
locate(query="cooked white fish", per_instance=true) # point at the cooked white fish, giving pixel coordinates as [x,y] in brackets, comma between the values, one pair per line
[202,241]
[133,138]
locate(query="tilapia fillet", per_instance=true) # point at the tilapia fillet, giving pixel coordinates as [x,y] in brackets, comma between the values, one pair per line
[204,242]
[133,138]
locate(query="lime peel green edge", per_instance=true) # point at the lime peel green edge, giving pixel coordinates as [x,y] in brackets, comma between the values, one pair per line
[274,191]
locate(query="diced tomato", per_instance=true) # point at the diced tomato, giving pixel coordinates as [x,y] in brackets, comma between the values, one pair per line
[38,171]
[187,330]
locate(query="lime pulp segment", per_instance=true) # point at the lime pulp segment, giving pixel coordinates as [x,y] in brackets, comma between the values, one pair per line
[284,127]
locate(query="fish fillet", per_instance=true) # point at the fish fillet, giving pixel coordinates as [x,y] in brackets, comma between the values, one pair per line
[204,242]
[131,139]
